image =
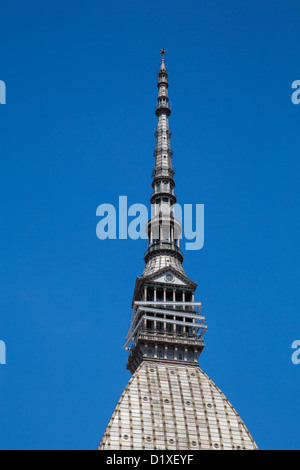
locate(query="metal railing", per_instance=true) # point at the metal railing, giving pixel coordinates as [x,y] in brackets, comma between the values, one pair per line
[171,323]
[163,246]
[164,192]
[164,172]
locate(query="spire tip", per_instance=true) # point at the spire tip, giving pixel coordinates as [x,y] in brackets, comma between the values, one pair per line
[163,53]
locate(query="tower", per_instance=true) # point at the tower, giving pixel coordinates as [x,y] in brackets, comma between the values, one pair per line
[169,402]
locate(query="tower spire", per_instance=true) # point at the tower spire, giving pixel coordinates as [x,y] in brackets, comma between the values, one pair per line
[164,290]
[169,402]
[163,229]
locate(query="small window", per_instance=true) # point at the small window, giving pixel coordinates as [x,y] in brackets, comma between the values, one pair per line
[160,353]
[150,293]
[150,352]
[169,294]
[170,354]
[150,325]
[160,295]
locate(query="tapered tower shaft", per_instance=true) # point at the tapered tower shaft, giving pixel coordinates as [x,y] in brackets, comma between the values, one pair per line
[166,321]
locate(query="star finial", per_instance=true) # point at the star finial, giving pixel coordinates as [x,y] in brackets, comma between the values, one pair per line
[163,52]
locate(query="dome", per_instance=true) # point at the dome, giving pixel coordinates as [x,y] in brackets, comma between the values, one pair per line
[159,262]
[177,407]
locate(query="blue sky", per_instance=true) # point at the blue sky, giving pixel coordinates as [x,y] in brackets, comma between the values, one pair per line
[76,132]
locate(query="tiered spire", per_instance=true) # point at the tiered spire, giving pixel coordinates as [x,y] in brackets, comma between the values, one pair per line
[163,229]
[164,291]
[163,153]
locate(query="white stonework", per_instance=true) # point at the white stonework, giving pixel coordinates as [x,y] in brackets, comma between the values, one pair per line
[164,280]
[177,407]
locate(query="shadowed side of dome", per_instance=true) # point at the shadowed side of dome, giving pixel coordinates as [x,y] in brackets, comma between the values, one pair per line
[177,407]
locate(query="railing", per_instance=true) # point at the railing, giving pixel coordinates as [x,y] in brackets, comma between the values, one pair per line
[163,80]
[174,323]
[163,246]
[165,172]
[164,333]
[161,131]
[168,150]
[162,192]
[162,108]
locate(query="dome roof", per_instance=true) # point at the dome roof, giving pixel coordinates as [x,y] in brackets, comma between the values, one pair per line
[159,262]
[177,407]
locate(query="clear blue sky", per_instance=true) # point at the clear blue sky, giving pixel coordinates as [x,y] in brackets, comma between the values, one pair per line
[77,131]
